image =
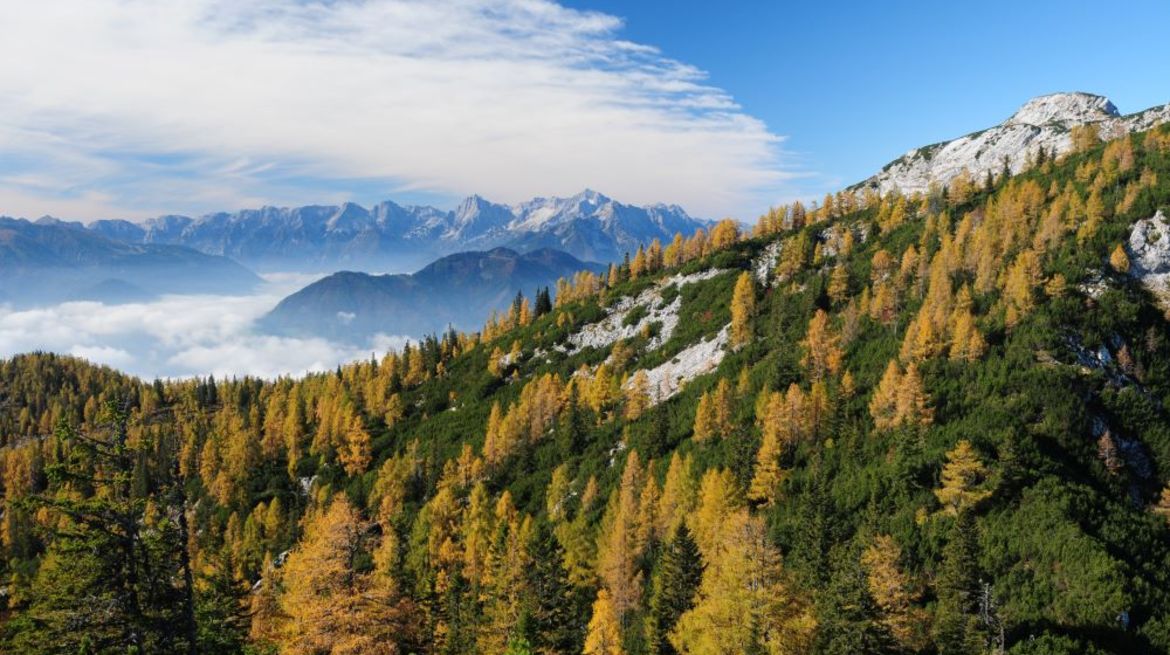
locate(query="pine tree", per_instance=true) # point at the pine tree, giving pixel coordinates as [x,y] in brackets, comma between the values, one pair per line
[743,307]
[680,570]
[571,430]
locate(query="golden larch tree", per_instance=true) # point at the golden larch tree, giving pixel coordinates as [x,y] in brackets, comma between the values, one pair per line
[743,307]
[892,591]
[603,635]
[330,605]
[964,479]
[744,604]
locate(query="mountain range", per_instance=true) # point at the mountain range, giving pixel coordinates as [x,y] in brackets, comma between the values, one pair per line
[52,261]
[389,236]
[1042,122]
[458,290]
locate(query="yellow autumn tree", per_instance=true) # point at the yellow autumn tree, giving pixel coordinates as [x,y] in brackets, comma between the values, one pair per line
[718,498]
[883,406]
[838,284]
[822,350]
[744,604]
[892,591]
[603,635]
[619,547]
[913,406]
[678,494]
[331,606]
[964,479]
[1119,260]
[637,396]
[768,472]
[743,306]
[355,452]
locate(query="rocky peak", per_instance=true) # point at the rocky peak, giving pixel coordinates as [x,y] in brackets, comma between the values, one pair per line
[1071,108]
[1041,123]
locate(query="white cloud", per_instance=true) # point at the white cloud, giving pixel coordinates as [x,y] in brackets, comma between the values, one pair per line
[146,107]
[178,336]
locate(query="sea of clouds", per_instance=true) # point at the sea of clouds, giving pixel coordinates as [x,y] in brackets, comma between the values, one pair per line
[181,335]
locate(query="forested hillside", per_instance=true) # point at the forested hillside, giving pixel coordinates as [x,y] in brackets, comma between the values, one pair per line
[928,424]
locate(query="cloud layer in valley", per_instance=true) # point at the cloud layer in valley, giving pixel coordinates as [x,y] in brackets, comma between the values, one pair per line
[121,108]
[178,336]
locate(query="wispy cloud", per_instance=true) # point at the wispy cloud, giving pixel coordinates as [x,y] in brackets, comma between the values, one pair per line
[135,107]
[179,336]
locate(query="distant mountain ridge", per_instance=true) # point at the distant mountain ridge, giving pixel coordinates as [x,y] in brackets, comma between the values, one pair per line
[50,261]
[1042,122]
[589,226]
[458,290]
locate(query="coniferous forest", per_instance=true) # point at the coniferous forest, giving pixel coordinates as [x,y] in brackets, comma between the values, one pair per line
[932,424]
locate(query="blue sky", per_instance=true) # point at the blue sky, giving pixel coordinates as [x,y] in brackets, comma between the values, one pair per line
[124,109]
[855,84]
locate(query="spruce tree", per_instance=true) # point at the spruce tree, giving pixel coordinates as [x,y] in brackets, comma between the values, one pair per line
[555,616]
[571,428]
[848,619]
[680,569]
[956,628]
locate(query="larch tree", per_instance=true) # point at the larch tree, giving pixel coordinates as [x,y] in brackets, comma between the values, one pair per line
[331,606]
[743,307]
[823,353]
[603,635]
[838,288]
[637,396]
[744,604]
[913,404]
[719,496]
[355,451]
[768,472]
[883,406]
[964,479]
[891,589]
[1119,260]
[619,546]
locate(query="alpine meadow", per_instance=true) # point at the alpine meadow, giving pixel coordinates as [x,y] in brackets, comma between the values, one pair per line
[928,413]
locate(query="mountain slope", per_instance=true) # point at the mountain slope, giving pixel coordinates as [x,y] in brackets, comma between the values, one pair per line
[459,290]
[921,425]
[589,226]
[1043,122]
[49,261]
